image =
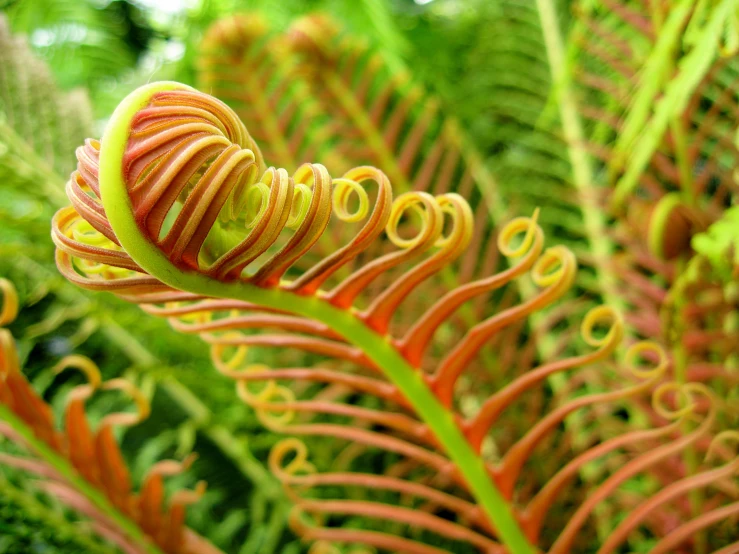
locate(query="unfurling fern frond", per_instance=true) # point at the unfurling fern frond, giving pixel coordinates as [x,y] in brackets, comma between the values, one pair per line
[297,120]
[174,210]
[381,117]
[84,468]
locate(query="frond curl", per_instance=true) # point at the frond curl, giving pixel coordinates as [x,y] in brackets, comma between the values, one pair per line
[175,211]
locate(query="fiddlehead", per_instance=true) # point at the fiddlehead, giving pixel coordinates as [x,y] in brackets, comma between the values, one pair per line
[431,151]
[189,225]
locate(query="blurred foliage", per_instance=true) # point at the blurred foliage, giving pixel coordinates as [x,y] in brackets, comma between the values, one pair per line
[720,245]
[487,61]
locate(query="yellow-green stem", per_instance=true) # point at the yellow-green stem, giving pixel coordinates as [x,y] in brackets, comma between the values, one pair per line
[690,456]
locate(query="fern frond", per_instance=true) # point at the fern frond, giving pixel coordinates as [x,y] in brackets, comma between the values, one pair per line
[673,158]
[84,469]
[310,210]
[289,120]
[173,210]
[632,61]
[510,114]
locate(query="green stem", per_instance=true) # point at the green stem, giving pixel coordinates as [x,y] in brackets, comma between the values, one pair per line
[62,467]
[683,163]
[594,219]
[654,74]
[408,379]
[658,17]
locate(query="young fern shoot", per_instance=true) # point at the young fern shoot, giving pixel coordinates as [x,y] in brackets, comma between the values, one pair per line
[174,209]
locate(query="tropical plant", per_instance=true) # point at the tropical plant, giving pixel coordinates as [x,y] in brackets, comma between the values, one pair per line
[398,323]
[175,210]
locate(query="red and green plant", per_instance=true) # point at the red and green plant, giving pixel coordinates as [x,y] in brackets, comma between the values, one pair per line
[175,210]
[412,337]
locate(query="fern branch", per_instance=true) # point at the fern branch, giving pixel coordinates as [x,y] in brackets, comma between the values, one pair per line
[691,69]
[59,465]
[152,223]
